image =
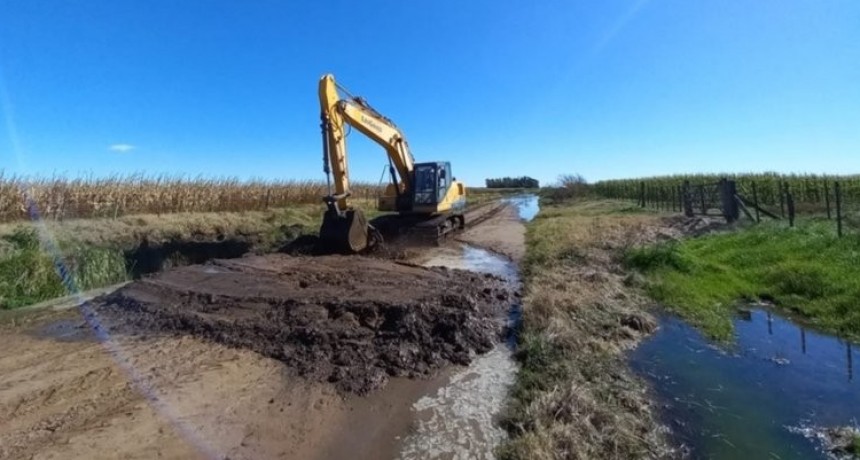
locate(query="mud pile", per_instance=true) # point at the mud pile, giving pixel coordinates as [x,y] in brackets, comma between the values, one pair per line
[353,321]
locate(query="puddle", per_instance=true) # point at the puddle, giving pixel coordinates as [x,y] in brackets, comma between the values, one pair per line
[746,401]
[527,205]
[465,257]
[458,420]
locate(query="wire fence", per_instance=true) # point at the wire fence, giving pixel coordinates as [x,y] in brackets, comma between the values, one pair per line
[836,199]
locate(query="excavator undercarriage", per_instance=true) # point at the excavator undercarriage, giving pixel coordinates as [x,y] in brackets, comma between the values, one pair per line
[418,229]
[350,232]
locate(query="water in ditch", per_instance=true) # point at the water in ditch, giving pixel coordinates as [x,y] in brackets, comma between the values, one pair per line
[458,421]
[755,398]
[528,205]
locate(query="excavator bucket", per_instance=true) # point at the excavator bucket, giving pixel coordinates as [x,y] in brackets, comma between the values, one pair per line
[344,231]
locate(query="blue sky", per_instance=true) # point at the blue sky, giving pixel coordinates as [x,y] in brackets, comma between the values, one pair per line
[603,88]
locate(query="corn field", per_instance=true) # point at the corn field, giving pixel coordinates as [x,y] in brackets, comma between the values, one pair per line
[62,198]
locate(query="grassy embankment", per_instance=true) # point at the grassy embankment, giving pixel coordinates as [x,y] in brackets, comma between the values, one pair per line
[574,396]
[807,271]
[94,250]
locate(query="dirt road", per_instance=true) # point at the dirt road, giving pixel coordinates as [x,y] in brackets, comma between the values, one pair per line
[503,233]
[69,390]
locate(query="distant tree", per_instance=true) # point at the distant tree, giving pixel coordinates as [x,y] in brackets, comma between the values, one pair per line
[513,182]
[572,181]
[570,186]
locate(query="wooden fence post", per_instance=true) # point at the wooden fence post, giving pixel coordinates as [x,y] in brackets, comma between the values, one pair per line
[838,191]
[661,196]
[642,194]
[728,190]
[789,200]
[688,199]
[674,198]
[827,199]
[667,198]
[755,203]
[781,186]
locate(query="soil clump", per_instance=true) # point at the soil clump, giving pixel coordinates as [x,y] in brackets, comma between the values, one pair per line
[348,320]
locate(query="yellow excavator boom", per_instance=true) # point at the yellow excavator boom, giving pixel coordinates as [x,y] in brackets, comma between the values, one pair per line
[426,189]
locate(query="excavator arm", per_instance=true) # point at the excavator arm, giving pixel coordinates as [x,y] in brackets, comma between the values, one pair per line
[336,113]
[434,201]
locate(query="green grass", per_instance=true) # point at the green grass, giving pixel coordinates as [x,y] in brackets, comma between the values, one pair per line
[93,250]
[806,270]
[28,273]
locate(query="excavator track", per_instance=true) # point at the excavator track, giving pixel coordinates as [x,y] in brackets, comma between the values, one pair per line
[416,229]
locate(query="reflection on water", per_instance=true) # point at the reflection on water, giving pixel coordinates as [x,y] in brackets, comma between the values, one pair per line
[527,205]
[739,402]
[465,257]
[458,421]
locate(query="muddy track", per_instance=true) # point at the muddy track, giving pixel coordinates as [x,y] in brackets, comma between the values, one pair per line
[348,320]
[180,376]
[483,213]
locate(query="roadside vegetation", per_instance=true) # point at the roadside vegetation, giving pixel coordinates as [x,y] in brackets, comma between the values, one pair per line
[29,273]
[574,396]
[806,271]
[95,252]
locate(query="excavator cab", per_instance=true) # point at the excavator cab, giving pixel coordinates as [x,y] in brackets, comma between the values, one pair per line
[432,181]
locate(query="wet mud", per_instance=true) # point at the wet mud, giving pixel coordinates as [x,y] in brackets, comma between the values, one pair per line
[347,320]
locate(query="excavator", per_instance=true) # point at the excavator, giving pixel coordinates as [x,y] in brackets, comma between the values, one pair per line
[421,199]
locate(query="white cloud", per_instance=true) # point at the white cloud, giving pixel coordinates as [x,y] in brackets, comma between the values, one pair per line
[121,148]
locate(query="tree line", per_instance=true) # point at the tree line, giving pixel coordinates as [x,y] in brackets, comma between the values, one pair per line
[513,182]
